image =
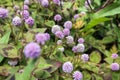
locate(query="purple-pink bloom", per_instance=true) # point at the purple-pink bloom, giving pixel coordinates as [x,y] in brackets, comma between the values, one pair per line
[16,21]
[80,48]
[66,32]
[77,75]
[68,24]
[55,28]
[84,57]
[3,13]
[25,14]
[47,36]
[74,49]
[32,50]
[25,7]
[114,56]
[81,40]
[40,38]
[70,39]
[57,17]
[26,2]
[29,21]
[56,2]
[67,67]
[86,3]
[76,16]
[115,66]
[59,34]
[44,3]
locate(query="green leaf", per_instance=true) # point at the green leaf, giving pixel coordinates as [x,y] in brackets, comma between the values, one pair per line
[109,60]
[67,5]
[69,53]
[27,71]
[5,38]
[9,51]
[107,53]
[95,57]
[12,72]
[117,60]
[114,49]
[95,22]
[59,56]
[43,64]
[86,76]
[117,32]
[1,58]
[116,75]
[97,77]
[38,30]
[96,44]
[42,74]
[4,70]
[29,37]
[90,67]
[50,23]
[108,39]
[55,66]
[108,11]
[98,2]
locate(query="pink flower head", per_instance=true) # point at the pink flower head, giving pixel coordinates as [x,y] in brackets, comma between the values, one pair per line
[57,17]
[67,67]
[32,50]
[3,13]
[68,24]
[81,40]
[77,75]
[115,66]
[66,32]
[59,34]
[40,38]
[114,56]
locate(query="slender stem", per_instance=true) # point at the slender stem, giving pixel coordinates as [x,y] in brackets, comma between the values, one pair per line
[12,30]
[108,2]
[61,8]
[12,3]
[22,28]
[89,5]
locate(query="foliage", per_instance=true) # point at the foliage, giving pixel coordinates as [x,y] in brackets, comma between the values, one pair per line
[98,23]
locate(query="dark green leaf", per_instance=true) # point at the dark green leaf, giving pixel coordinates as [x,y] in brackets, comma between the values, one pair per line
[116,75]
[42,74]
[95,22]
[108,11]
[1,58]
[50,23]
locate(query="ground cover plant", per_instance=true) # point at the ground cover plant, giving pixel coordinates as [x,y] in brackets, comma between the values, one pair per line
[59,40]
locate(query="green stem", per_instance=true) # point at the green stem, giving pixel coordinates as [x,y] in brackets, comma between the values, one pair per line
[12,30]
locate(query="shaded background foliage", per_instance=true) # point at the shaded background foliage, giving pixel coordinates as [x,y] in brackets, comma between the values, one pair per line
[100,28]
